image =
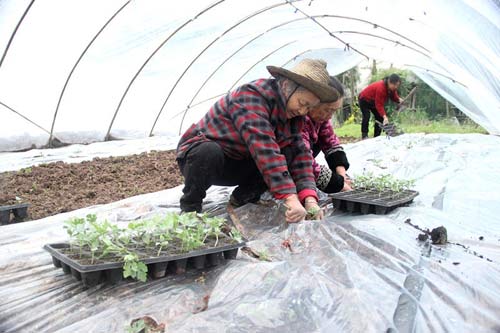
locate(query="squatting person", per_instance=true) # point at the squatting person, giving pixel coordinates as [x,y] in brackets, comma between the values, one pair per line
[252,138]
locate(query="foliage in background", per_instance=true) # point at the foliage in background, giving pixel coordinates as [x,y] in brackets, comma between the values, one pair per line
[431,113]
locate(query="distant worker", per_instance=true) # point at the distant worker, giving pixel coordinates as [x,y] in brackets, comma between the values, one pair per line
[373,98]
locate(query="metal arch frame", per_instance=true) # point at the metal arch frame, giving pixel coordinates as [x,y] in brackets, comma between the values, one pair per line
[246,18]
[440,74]
[76,65]
[291,21]
[328,31]
[15,32]
[375,26]
[24,117]
[107,137]
[262,59]
[243,75]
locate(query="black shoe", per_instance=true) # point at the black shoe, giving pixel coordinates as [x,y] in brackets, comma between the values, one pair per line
[242,196]
[187,208]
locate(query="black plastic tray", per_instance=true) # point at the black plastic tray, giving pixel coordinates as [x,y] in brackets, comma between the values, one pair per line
[371,201]
[158,267]
[20,212]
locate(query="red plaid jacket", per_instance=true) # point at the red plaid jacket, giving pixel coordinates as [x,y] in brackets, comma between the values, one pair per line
[251,122]
[321,134]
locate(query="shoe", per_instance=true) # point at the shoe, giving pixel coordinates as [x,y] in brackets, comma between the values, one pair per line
[188,208]
[241,197]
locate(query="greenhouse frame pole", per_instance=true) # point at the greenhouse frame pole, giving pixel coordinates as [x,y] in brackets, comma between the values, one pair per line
[24,117]
[258,12]
[76,65]
[141,68]
[15,32]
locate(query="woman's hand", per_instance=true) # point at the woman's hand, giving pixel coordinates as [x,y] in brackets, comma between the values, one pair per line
[295,212]
[314,212]
[386,120]
[340,170]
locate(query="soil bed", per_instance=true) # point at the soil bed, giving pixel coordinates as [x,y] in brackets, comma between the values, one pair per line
[61,187]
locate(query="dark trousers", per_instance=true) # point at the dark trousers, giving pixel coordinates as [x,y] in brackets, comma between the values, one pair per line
[206,164]
[367,108]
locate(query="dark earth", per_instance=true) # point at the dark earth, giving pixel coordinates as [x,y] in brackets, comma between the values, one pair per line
[61,187]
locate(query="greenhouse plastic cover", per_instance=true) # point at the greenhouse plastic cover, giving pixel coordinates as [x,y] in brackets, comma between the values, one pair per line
[347,273]
[85,71]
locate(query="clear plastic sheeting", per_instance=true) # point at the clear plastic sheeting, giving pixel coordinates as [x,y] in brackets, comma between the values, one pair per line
[92,70]
[348,273]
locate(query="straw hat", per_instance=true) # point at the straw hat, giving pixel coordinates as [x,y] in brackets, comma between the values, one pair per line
[310,74]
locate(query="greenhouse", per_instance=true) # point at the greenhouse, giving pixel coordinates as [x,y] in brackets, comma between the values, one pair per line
[96,100]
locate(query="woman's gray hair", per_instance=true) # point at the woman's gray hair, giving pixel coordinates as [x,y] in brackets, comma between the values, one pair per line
[289,87]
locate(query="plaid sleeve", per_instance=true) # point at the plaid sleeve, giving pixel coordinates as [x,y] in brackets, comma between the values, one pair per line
[327,139]
[251,119]
[301,166]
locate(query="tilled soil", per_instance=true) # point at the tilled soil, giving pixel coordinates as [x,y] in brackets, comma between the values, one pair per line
[60,187]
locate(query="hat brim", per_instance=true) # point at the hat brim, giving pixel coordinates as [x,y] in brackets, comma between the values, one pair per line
[324,92]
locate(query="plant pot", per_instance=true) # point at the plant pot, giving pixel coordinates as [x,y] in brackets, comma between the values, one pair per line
[20,212]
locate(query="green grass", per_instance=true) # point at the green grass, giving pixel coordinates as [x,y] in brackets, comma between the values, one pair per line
[354,130]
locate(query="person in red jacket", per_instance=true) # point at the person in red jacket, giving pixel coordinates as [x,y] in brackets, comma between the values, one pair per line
[252,138]
[373,98]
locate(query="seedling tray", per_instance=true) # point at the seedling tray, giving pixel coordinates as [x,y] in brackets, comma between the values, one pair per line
[20,212]
[390,129]
[158,267]
[372,201]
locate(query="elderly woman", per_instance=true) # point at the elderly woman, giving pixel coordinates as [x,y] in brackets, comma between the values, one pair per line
[252,138]
[318,135]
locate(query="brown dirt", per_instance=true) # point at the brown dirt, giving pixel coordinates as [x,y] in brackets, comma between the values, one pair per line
[60,187]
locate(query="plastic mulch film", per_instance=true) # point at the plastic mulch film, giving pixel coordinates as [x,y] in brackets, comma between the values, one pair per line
[347,273]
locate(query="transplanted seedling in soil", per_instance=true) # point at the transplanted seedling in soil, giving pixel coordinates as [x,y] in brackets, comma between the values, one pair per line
[312,213]
[93,241]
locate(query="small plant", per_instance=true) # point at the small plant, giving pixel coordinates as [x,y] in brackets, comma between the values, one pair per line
[236,235]
[137,327]
[369,181]
[94,240]
[312,213]
[264,255]
[134,268]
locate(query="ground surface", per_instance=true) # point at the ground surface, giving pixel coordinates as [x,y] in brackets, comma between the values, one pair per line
[59,187]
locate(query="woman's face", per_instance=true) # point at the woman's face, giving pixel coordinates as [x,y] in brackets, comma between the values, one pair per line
[393,86]
[300,103]
[325,111]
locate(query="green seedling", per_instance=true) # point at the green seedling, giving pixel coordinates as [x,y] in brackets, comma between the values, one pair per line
[134,268]
[236,235]
[312,213]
